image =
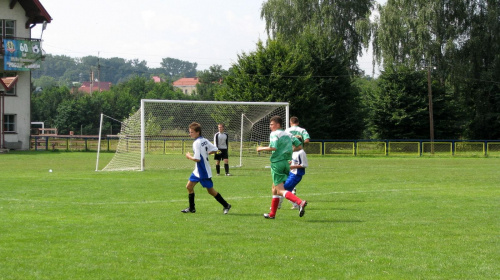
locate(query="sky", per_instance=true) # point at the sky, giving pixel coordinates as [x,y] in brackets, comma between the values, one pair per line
[207,32]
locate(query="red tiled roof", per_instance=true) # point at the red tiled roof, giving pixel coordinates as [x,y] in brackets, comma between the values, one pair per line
[8,82]
[85,87]
[186,82]
[157,79]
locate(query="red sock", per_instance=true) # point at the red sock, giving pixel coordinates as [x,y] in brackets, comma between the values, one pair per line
[274,205]
[293,198]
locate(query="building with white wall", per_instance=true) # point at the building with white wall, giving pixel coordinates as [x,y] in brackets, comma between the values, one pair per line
[19,54]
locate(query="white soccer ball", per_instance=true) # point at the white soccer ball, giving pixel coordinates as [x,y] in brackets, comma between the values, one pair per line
[50,170]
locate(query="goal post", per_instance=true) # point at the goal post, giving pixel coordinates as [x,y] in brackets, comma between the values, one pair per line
[158,132]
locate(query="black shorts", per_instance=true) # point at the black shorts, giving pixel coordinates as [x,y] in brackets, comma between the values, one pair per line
[222,155]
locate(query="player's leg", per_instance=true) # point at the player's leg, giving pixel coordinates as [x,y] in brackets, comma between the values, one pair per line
[279,174]
[293,198]
[290,185]
[217,167]
[190,188]
[208,184]
[225,156]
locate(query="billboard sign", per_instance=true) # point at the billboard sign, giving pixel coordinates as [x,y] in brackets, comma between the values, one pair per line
[22,55]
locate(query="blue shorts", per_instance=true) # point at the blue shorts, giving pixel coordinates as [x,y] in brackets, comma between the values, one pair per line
[292,181]
[206,183]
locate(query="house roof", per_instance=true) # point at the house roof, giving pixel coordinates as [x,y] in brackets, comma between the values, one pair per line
[157,79]
[85,87]
[186,82]
[8,82]
[35,12]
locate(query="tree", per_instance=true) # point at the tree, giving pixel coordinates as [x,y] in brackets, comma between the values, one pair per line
[459,40]
[177,68]
[477,72]
[44,104]
[210,81]
[310,74]
[339,21]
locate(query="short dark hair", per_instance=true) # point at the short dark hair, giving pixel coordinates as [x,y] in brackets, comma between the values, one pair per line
[294,120]
[196,127]
[277,119]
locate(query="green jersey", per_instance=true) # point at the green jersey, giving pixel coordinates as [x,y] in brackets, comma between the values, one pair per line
[297,130]
[283,142]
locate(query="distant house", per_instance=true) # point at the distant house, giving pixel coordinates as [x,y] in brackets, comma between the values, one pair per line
[96,87]
[187,85]
[17,18]
[157,79]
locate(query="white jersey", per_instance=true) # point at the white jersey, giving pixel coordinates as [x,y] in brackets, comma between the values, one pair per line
[201,149]
[299,158]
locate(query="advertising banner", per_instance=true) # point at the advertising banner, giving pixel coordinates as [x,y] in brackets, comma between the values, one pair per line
[22,55]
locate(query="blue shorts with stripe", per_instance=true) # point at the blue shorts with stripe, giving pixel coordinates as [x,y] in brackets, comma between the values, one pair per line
[292,181]
[206,183]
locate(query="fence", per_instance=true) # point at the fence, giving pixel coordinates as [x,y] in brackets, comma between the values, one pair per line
[418,148]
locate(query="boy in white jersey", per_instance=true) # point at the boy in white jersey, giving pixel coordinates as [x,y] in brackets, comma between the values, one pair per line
[295,129]
[281,144]
[298,166]
[202,171]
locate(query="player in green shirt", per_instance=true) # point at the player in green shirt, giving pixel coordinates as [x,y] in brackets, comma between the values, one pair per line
[295,129]
[282,145]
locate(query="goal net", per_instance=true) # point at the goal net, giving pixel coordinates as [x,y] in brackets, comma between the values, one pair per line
[157,135]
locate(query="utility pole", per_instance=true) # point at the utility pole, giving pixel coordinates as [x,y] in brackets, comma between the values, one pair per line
[431,113]
[91,80]
[98,72]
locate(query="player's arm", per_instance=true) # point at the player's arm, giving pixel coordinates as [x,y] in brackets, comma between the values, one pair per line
[306,136]
[190,157]
[212,149]
[296,166]
[297,145]
[227,142]
[260,149]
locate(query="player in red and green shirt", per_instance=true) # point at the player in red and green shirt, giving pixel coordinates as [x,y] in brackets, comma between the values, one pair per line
[282,145]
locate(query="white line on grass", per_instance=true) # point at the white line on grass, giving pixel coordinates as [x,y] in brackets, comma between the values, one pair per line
[207,198]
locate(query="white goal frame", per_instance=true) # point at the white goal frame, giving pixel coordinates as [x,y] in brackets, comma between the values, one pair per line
[143,126]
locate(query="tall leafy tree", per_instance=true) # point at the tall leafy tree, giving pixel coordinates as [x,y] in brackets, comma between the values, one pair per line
[44,104]
[177,68]
[310,74]
[477,72]
[210,81]
[337,20]
[400,107]
[458,40]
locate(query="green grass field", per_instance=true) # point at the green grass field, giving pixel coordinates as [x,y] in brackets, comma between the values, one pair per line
[368,218]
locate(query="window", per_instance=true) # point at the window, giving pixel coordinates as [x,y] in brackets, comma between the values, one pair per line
[12,91]
[9,124]
[7,28]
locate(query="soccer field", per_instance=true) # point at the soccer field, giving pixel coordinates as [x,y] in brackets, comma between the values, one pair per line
[368,218]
